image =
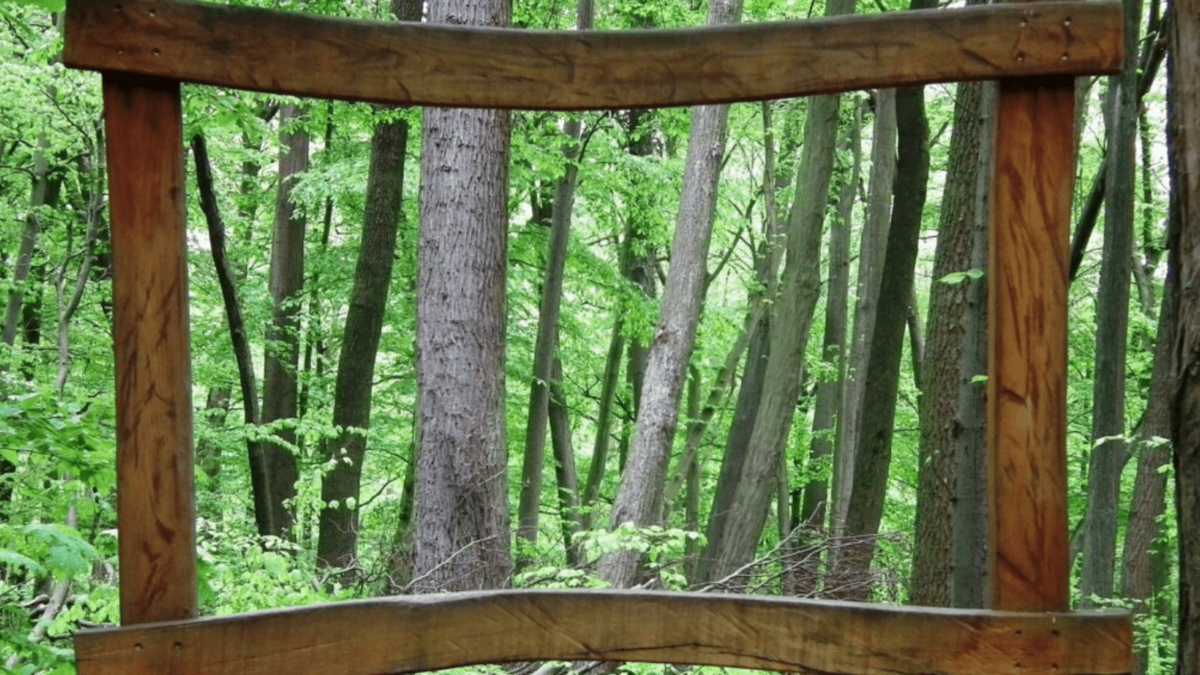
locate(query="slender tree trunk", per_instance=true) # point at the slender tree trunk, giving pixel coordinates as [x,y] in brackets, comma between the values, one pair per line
[1109,451]
[462,488]
[227,280]
[766,263]
[870,267]
[604,417]
[33,227]
[813,507]
[1183,108]
[932,568]
[698,422]
[273,463]
[547,332]
[564,467]
[639,497]
[638,252]
[344,455]
[833,348]
[874,452]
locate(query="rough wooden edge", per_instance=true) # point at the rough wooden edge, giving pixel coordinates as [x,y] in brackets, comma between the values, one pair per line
[408,634]
[155,500]
[415,64]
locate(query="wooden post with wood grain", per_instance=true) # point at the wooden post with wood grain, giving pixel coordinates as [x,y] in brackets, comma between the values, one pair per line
[145,48]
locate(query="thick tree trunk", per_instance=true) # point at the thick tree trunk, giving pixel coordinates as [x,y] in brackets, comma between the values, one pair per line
[1149,489]
[1183,107]
[874,452]
[969,557]
[462,488]
[273,465]
[870,268]
[932,568]
[1109,451]
[639,497]
[344,455]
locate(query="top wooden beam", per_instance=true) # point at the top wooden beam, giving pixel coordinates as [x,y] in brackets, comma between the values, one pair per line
[455,66]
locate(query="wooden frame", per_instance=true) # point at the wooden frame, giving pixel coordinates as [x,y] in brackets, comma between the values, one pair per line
[146,47]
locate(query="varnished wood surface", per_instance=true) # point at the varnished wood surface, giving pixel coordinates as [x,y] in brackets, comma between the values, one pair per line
[407,64]
[417,633]
[1034,167]
[155,503]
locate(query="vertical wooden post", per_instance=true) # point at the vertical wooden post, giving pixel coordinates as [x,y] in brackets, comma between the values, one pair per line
[1034,175]
[155,499]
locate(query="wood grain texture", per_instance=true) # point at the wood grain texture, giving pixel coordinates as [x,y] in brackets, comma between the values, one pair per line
[1034,173]
[407,634]
[453,66]
[155,510]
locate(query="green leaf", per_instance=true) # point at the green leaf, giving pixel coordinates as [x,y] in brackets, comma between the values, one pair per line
[48,5]
[12,558]
[959,277]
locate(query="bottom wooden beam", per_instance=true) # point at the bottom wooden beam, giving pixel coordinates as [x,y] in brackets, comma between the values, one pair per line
[409,634]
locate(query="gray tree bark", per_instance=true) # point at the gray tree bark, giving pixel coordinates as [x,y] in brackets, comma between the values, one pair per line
[1183,124]
[969,581]
[873,455]
[639,497]
[789,333]
[273,469]
[870,266]
[545,347]
[833,348]
[462,520]
[766,263]
[948,307]
[337,543]
[1109,451]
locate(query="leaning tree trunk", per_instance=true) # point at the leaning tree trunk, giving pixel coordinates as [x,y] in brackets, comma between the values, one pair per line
[337,542]
[789,331]
[639,497]
[1112,321]
[462,521]
[546,345]
[273,467]
[737,443]
[932,568]
[872,457]
[1183,107]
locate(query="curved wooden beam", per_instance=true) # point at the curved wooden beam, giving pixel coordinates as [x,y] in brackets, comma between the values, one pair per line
[415,64]
[409,634]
